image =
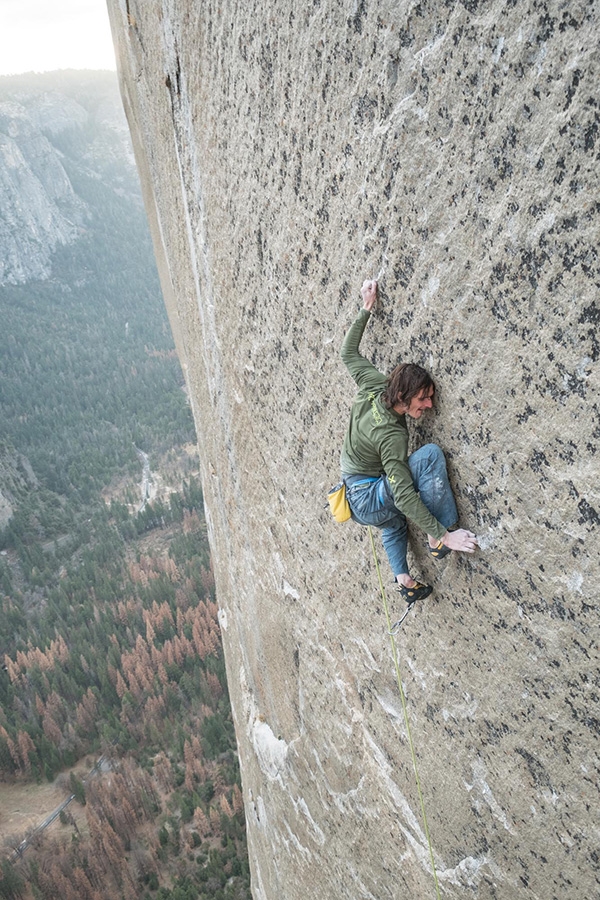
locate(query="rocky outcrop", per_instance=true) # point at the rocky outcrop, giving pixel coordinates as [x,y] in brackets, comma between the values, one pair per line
[47,137]
[286,152]
[39,207]
[16,479]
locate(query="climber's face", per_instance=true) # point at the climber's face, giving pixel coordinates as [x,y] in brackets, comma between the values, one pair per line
[420,403]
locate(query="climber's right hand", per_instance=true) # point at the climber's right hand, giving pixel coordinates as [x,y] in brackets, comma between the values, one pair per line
[369,294]
[461,540]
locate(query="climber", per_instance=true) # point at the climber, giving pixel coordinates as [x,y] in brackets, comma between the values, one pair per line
[384,485]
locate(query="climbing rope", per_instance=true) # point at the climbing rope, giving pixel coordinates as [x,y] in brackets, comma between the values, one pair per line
[392,634]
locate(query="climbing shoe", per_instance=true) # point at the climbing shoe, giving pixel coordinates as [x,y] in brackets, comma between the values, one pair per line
[440,551]
[417,592]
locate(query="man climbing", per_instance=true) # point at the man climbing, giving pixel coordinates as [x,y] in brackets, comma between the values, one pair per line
[384,485]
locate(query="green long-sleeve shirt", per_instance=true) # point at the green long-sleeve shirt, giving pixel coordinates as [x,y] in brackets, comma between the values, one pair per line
[376,441]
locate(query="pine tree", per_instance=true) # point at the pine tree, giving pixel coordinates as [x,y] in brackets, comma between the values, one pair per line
[26,747]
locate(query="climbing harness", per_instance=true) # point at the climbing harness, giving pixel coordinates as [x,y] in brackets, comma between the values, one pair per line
[393,631]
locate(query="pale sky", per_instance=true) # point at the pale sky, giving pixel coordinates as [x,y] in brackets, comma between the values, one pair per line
[43,35]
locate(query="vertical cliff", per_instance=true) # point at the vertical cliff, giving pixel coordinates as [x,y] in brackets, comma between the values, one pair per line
[287,150]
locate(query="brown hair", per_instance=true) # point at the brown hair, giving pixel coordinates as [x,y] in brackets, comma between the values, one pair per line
[405,382]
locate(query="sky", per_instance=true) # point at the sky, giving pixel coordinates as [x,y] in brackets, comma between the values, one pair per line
[43,35]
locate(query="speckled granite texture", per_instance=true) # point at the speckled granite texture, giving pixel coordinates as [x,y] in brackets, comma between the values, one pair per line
[289,149]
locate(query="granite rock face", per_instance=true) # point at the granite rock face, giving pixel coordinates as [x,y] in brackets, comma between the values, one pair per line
[48,140]
[40,210]
[288,150]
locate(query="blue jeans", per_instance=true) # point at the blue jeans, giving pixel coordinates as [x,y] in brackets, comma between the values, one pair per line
[372,502]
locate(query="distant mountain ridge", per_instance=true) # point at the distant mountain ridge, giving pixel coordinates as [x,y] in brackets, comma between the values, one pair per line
[52,126]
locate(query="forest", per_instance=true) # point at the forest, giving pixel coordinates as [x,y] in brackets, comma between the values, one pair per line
[112,685]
